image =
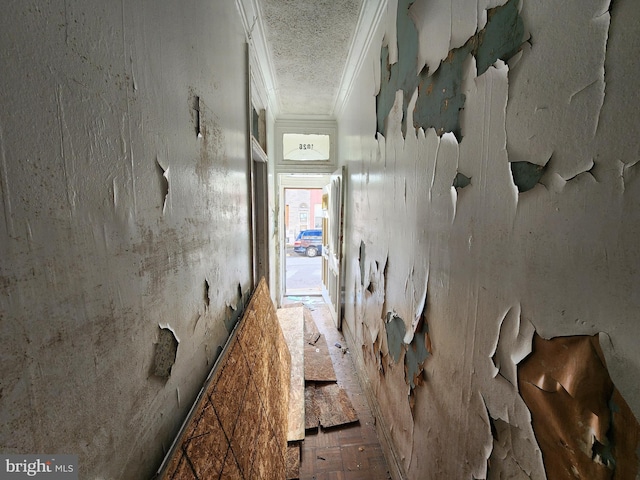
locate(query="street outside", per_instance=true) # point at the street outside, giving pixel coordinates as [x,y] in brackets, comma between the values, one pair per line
[303,273]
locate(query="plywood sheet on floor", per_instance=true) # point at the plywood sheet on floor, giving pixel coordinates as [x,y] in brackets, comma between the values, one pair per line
[311,332]
[352,452]
[311,412]
[317,362]
[292,325]
[329,406]
[238,426]
[334,406]
[293,461]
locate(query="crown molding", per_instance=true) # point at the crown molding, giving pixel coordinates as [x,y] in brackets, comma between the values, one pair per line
[260,57]
[305,118]
[371,12]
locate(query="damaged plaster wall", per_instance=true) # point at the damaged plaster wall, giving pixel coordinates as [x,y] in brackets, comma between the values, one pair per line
[444,231]
[123,222]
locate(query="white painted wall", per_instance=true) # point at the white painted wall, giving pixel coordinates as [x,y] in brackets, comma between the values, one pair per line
[562,257]
[97,102]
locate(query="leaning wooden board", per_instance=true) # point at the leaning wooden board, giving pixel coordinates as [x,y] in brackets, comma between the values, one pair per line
[292,324]
[237,427]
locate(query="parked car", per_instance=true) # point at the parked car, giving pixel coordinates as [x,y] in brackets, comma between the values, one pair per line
[308,242]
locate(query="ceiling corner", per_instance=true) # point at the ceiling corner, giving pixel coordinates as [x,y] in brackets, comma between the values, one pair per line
[371,12]
[260,58]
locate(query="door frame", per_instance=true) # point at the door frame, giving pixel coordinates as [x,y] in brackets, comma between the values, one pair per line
[284,181]
[297,174]
[333,267]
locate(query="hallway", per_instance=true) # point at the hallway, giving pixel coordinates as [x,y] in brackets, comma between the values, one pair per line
[480,228]
[351,452]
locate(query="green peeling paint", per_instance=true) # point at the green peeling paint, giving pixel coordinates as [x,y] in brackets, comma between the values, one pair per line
[501,38]
[395,335]
[461,181]
[416,352]
[526,175]
[440,96]
[402,75]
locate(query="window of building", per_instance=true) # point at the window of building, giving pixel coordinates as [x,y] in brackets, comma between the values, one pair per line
[307,148]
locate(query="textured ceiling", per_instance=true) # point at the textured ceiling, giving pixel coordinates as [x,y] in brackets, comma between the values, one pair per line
[309,42]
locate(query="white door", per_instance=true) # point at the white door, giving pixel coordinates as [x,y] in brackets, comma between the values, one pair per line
[332,243]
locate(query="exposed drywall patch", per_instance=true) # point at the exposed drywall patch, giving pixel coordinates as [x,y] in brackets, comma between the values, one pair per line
[207,299]
[196,116]
[163,177]
[361,261]
[527,175]
[165,352]
[440,93]
[584,427]
[234,310]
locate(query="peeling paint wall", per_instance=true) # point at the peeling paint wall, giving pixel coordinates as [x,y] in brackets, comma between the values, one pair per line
[467,238]
[123,222]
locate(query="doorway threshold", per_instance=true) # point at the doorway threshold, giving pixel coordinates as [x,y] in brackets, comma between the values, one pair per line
[309,292]
[311,299]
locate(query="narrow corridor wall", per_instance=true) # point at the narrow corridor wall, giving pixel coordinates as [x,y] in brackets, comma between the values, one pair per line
[462,244]
[124,222]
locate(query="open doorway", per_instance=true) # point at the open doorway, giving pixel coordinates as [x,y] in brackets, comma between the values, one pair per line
[303,229]
[300,220]
[311,222]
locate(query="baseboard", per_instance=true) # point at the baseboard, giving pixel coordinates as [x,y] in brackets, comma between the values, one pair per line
[396,469]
